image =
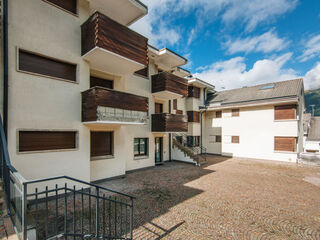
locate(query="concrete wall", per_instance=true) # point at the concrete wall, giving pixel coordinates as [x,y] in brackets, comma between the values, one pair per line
[256,127]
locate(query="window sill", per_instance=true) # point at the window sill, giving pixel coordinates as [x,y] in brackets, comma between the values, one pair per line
[102,158]
[49,151]
[286,152]
[286,120]
[141,157]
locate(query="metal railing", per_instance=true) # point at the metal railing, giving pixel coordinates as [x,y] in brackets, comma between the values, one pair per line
[63,207]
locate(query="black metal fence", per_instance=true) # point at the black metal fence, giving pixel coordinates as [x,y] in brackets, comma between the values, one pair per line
[63,207]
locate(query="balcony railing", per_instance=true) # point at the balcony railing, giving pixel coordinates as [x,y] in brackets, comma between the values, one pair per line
[112,47]
[166,122]
[106,106]
[165,82]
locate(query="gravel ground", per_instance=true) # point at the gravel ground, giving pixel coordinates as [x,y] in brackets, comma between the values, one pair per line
[225,199]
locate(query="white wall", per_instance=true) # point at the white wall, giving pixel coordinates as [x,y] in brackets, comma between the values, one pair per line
[256,127]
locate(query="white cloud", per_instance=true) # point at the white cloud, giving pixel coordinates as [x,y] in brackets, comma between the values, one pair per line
[312,49]
[312,78]
[233,73]
[159,28]
[266,43]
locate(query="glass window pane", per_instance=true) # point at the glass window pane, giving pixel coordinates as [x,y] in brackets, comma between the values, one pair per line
[136,146]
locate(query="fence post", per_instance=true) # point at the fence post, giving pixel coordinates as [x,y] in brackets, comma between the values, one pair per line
[24,211]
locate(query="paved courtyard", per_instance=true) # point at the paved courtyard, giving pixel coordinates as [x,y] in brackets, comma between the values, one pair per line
[225,199]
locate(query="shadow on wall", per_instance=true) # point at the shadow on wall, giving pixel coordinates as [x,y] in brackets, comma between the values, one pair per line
[158,190]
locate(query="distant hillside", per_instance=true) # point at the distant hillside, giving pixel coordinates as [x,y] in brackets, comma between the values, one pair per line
[313,97]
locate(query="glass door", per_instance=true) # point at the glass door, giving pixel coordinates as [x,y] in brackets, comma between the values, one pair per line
[158,150]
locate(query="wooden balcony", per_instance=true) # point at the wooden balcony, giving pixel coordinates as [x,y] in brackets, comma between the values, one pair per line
[168,86]
[106,106]
[111,47]
[165,122]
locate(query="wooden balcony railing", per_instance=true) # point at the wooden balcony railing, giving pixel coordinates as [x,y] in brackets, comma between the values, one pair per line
[103,32]
[165,122]
[106,105]
[165,81]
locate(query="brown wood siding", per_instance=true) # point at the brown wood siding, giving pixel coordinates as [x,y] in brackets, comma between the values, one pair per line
[175,104]
[103,97]
[166,122]
[287,144]
[235,139]
[69,5]
[285,112]
[34,63]
[235,112]
[46,140]
[193,116]
[158,107]
[180,112]
[100,82]
[193,92]
[143,72]
[101,144]
[165,81]
[101,31]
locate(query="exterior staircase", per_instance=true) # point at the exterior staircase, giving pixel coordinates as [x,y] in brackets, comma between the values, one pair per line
[197,154]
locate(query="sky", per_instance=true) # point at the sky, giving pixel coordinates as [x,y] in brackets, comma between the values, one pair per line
[236,43]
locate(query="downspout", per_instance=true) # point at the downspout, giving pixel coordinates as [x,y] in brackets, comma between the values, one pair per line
[5,67]
[201,114]
[170,158]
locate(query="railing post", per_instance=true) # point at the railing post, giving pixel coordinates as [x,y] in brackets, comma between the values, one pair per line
[97,213]
[131,218]
[24,211]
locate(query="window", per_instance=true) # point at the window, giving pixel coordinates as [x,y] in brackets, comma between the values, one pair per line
[235,112]
[100,82]
[101,144]
[193,92]
[285,112]
[235,139]
[193,141]
[193,116]
[218,139]
[175,104]
[143,72]
[30,141]
[287,144]
[140,147]
[158,108]
[33,63]
[218,114]
[68,5]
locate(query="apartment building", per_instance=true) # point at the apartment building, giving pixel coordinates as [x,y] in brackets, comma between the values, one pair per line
[262,122]
[87,97]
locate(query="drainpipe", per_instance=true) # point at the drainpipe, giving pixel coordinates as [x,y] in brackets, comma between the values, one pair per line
[5,67]
[170,158]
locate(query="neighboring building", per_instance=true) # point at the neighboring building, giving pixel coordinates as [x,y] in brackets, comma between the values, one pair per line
[262,122]
[312,144]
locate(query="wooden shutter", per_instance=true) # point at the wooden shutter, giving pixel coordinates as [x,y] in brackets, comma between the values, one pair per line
[101,144]
[100,82]
[235,112]
[46,140]
[285,112]
[34,63]
[287,144]
[175,104]
[143,72]
[158,108]
[218,114]
[69,5]
[193,116]
[235,139]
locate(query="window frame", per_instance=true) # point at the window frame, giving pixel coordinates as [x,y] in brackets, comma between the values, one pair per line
[93,158]
[235,112]
[63,9]
[146,153]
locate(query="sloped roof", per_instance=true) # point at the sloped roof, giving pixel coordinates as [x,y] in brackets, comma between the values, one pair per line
[314,130]
[288,89]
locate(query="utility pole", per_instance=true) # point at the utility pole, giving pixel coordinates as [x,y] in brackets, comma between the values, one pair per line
[312,109]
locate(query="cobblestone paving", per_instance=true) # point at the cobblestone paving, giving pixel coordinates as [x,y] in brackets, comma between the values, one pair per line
[226,199]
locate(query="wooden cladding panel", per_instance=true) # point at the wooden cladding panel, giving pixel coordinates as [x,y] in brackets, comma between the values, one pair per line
[235,112]
[34,63]
[46,140]
[143,72]
[287,144]
[193,116]
[175,104]
[100,82]
[103,97]
[101,31]
[158,108]
[165,81]
[285,112]
[69,5]
[169,123]
[235,139]
[101,144]
[194,92]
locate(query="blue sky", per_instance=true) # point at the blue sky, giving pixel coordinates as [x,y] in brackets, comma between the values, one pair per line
[235,43]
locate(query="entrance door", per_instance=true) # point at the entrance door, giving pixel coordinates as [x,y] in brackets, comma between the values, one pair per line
[158,108]
[158,149]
